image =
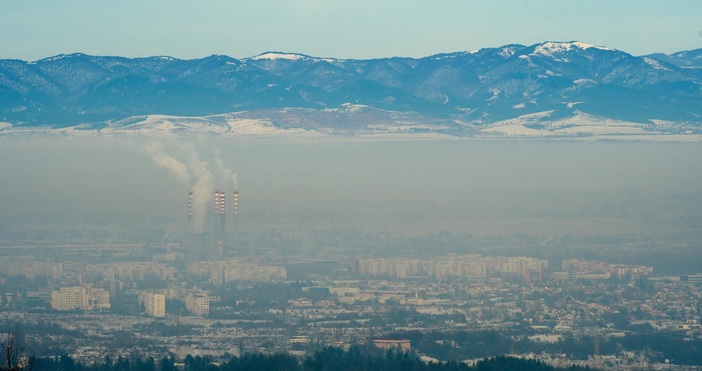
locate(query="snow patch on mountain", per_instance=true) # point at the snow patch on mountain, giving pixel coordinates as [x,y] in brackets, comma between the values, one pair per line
[508,52]
[587,124]
[259,127]
[353,108]
[495,94]
[553,49]
[655,64]
[276,56]
[216,125]
[163,125]
[580,124]
[516,130]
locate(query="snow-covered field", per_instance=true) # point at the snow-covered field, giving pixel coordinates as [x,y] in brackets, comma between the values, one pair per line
[533,125]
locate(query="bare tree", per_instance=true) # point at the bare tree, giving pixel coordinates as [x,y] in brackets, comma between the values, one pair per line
[14,348]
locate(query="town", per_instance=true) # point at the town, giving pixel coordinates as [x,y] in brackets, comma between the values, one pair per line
[150,300]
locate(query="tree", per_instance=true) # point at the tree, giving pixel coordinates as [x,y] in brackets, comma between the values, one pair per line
[14,348]
[167,364]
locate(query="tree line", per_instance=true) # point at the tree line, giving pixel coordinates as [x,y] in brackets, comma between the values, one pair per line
[327,359]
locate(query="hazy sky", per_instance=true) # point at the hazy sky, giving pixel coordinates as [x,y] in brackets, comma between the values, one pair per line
[35,29]
[402,187]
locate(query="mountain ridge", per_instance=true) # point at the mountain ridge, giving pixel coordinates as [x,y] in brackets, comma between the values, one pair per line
[466,90]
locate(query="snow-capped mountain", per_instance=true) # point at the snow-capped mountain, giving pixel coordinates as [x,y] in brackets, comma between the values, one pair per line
[542,86]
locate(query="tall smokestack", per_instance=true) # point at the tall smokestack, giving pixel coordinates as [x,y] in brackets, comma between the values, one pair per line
[219,222]
[222,203]
[222,218]
[235,219]
[217,196]
[236,204]
[190,209]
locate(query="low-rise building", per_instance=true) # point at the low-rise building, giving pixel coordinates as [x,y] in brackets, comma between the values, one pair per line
[403,345]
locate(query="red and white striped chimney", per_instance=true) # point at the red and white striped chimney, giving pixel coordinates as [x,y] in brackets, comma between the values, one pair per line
[235,201]
[217,195]
[190,206]
[222,203]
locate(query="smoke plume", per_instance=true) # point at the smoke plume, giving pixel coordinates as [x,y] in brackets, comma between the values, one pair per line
[194,173]
[202,191]
[162,160]
[229,176]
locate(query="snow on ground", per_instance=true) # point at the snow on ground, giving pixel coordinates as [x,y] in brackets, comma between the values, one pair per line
[517,126]
[410,128]
[655,64]
[585,82]
[250,126]
[274,56]
[404,136]
[534,125]
[162,125]
[548,49]
[528,118]
[601,130]
[579,124]
[584,119]
[353,108]
[495,94]
[663,125]
[507,52]
[427,359]
[258,127]
[516,130]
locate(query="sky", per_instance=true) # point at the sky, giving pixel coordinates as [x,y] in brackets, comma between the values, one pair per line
[35,29]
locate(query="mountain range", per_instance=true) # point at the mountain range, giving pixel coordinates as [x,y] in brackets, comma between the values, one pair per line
[550,88]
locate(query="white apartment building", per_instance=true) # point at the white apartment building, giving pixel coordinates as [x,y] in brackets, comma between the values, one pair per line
[441,268]
[154,303]
[198,303]
[80,298]
[221,272]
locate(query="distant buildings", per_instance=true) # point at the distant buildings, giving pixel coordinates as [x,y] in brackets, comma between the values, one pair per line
[403,345]
[154,303]
[473,265]
[131,271]
[592,269]
[80,298]
[221,272]
[198,303]
[27,266]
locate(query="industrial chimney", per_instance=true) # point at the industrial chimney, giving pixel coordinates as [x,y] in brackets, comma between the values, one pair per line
[235,219]
[190,209]
[236,204]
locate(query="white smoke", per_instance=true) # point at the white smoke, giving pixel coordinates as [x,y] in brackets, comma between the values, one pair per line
[202,191]
[229,176]
[194,169]
[163,160]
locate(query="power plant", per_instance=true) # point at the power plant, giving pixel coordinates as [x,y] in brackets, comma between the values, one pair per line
[212,241]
